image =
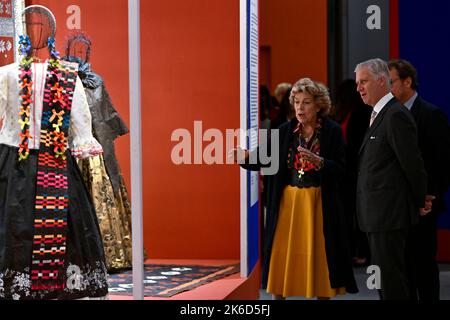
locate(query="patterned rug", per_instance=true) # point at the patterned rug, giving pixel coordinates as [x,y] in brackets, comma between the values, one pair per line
[169,280]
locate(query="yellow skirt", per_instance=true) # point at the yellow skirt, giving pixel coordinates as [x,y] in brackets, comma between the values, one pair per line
[298,263]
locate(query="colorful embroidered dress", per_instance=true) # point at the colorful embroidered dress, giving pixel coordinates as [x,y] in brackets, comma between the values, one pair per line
[50,243]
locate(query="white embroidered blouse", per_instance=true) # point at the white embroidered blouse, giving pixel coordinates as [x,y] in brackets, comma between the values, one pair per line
[82,143]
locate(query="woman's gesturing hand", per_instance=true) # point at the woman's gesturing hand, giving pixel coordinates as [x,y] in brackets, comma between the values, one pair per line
[238,155]
[311,157]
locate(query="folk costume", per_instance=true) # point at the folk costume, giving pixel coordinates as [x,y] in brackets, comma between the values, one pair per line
[50,243]
[102,173]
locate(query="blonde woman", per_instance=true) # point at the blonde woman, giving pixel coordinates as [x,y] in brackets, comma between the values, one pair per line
[306,251]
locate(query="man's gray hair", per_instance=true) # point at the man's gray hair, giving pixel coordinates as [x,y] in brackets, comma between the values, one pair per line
[378,67]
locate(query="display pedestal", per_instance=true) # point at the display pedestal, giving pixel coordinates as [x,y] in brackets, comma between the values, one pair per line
[232,287]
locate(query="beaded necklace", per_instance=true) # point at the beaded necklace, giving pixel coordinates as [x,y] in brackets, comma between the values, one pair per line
[301,164]
[26,92]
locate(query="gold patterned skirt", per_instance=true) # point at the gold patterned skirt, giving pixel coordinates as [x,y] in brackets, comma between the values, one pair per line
[113,213]
[298,262]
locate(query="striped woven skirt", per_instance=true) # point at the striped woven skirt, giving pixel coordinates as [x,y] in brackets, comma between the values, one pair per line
[84,270]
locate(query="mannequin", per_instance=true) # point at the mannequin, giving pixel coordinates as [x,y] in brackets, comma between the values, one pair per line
[102,173]
[50,243]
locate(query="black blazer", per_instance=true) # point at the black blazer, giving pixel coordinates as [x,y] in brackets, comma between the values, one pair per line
[337,246]
[392,180]
[434,142]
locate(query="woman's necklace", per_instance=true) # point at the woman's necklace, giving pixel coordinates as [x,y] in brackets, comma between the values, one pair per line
[305,138]
[27,89]
[310,142]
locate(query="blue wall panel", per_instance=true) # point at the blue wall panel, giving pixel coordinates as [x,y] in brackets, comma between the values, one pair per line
[424,33]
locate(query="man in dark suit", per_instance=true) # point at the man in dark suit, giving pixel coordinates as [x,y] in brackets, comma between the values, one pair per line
[391,184]
[434,143]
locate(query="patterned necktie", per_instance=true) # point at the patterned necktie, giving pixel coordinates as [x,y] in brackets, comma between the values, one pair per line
[372,117]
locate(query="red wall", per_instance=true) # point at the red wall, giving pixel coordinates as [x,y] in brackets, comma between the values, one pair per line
[190,71]
[296,32]
[394,45]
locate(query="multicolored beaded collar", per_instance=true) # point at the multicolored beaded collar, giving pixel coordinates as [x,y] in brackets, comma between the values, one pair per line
[26,91]
[301,164]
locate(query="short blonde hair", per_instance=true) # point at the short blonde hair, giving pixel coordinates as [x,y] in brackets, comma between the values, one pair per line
[281,90]
[319,92]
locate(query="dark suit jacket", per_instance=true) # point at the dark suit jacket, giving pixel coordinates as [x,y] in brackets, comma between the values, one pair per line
[334,225]
[391,175]
[434,142]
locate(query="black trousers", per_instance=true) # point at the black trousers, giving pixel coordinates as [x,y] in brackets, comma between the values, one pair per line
[424,270]
[389,253]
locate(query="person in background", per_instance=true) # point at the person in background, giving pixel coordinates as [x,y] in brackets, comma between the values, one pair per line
[434,143]
[286,112]
[265,105]
[281,89]
[353,115]
[284,108]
